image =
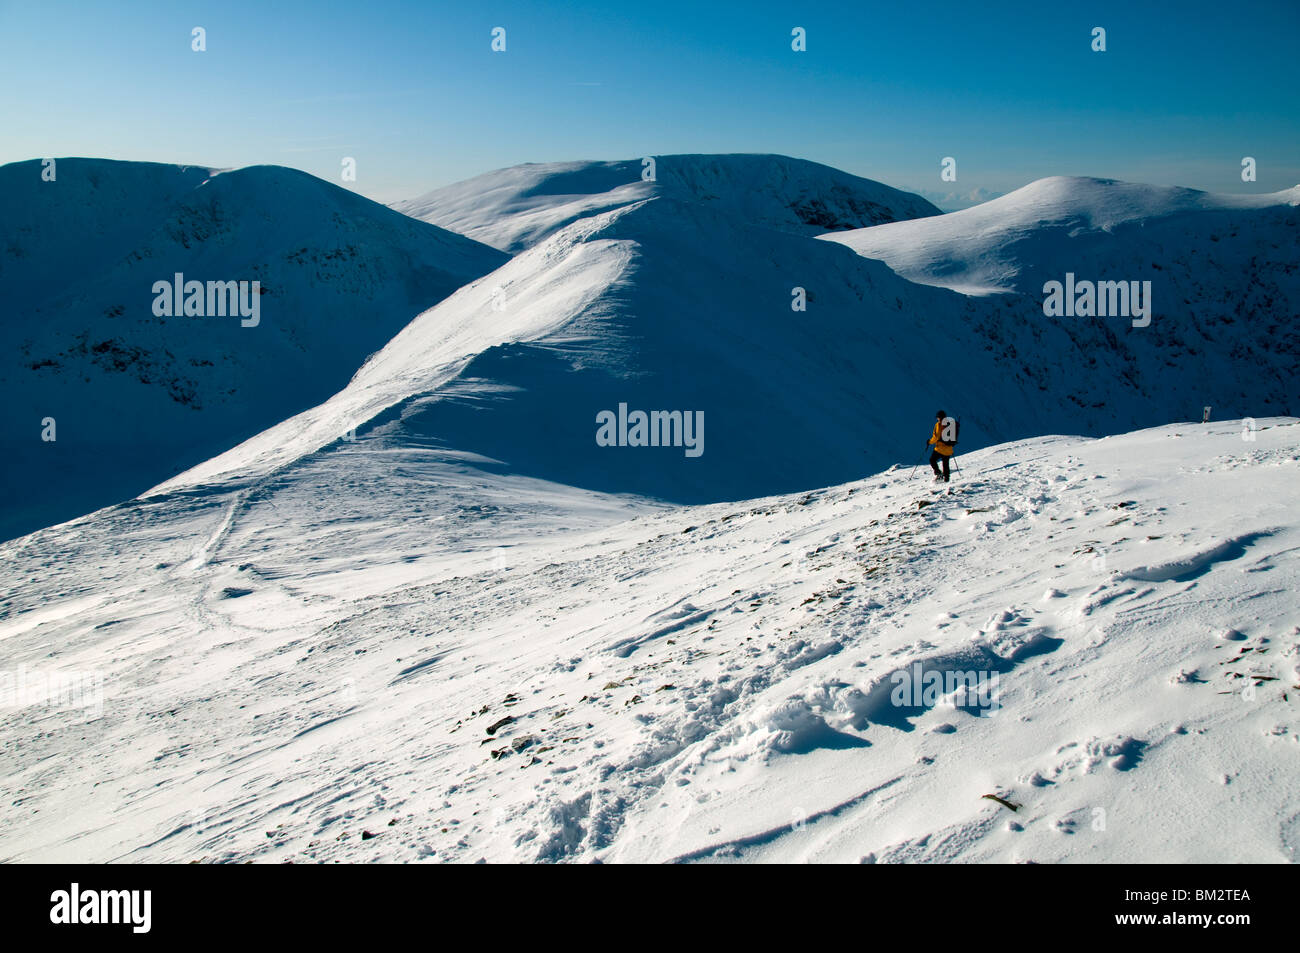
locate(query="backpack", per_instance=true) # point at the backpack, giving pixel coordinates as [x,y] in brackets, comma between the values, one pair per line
[949,428]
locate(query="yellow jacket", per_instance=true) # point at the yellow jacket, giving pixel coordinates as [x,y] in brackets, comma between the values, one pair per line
[939,445]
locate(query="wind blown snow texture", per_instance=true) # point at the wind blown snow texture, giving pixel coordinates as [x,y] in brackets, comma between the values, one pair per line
[387,642]
[137,398]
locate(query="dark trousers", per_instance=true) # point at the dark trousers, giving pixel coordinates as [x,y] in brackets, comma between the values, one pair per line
[935,457]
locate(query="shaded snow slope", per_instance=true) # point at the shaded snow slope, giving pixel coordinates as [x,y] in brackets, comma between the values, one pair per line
[515,208]
[136,397]
[1097,228]
[392,642]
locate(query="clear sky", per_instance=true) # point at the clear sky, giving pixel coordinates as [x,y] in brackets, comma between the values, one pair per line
[413,92]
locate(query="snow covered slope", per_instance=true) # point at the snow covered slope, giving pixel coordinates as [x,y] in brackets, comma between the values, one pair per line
[661,305]
[515,208]
[136,397]
[670,305]
[1097,228]
[393,642]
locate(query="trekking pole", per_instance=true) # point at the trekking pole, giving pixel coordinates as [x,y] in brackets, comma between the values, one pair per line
[918,463]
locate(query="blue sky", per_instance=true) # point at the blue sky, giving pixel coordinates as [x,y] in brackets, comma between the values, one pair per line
[414,93]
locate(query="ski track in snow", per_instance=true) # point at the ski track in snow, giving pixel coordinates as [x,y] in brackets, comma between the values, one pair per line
[470,666]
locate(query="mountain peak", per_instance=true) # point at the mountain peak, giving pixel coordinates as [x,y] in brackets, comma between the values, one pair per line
[515,208]
[1050,225]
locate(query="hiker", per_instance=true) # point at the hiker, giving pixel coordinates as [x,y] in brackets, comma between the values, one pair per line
[944,439]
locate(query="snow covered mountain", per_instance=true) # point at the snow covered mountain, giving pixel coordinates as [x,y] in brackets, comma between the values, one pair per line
[136,396]
[382,654]
[660,306]
[515,208]
[685,306]
[1086,225]
[688,306]
[433,617]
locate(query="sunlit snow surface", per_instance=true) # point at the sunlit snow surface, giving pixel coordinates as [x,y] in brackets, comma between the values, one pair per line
[293,660]
[1101,229]
[516,208]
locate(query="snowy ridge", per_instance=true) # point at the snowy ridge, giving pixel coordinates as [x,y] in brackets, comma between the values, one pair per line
[558,281]
[385,655]
[611,309]
[515,208]
[1016,241]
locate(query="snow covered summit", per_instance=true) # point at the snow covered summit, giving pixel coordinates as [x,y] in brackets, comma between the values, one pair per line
[1015,242]
[515,208]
